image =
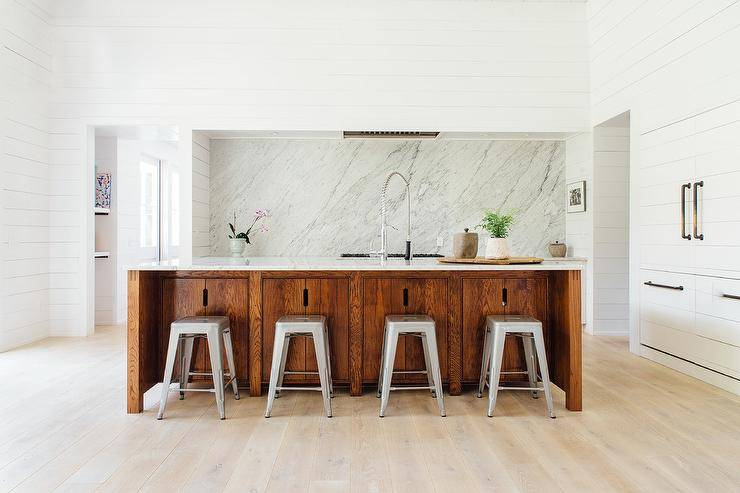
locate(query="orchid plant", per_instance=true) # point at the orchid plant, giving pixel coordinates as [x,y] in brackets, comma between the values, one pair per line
[260,215]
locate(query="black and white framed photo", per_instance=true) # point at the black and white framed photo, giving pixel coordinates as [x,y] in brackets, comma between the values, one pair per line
[576,197]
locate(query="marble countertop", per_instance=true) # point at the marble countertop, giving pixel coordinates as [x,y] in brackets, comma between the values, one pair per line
[350,264]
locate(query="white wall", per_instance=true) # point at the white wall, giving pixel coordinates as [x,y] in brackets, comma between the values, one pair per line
[674,65]
[106,230]
[27,195]
[579,226]
[611,228]
[201,194]
[330,65]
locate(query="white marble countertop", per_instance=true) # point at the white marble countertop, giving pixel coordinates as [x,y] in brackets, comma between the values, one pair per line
[350,264]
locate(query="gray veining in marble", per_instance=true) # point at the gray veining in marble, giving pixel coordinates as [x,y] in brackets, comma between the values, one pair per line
[323,195]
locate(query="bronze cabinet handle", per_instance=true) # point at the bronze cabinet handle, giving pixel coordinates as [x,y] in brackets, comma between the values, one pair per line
[683,211]
[666,286]
[696,210]
[731,296]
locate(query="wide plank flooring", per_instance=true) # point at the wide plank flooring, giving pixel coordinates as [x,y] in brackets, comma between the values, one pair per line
[63,427]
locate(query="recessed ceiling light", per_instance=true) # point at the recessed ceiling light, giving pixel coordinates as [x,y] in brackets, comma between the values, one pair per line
[274,133]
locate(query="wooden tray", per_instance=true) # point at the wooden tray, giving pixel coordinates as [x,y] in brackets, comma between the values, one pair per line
[482,260]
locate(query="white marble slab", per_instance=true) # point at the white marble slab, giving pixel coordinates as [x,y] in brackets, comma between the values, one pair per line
[324,194]
[346,264]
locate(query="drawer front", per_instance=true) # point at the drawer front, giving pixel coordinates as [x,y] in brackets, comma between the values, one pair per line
[664,309]
[668,289]
[718,356]
[718,309]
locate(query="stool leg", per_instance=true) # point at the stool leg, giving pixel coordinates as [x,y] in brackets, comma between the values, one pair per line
[528,343]
[283,361]
[382,363]
[169,367]
[485,362]
[539,344]
[278,355]
[187,356]
[499,340]
[321,360]
[389,358]
[328,360]
[230,358]
[217,368]
[428,366]
[181,363]
[436,373]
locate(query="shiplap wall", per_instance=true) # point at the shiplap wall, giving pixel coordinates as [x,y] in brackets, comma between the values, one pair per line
[611,229]
[579,226]
[674,65]
[26,194]
[329,65]
[201,194]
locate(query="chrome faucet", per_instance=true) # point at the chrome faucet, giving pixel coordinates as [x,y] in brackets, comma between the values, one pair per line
[383,213]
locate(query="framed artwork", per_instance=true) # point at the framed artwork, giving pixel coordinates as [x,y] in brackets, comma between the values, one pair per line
[102,190]
[576,197]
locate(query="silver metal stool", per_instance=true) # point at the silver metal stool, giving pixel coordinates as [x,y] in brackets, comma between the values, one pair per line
[183,333]
[421,326]
[313,326]
[530,331]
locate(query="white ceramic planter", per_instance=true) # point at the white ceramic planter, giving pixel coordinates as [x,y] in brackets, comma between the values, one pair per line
[237,245]
[497,248]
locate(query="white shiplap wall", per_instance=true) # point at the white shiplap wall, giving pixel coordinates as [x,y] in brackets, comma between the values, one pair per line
[611,229]
[674,65]
[579,226]
[26,194]
[328,65]
[201,194]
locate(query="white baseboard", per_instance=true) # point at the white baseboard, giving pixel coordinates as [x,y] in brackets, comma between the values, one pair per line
[711,377]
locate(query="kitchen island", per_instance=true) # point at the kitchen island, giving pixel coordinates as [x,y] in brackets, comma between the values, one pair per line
[354,295]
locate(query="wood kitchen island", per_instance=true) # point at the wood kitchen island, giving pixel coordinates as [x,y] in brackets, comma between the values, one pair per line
[354,295]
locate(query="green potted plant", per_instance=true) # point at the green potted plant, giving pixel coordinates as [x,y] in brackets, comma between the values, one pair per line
[238,241]
[497,225]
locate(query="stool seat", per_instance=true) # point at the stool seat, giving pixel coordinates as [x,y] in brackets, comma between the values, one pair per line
[512,322]
[298,322]
[200,325]
[217,331]
[417,325]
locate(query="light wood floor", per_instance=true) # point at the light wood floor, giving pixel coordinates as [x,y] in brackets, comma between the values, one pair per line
[63,427]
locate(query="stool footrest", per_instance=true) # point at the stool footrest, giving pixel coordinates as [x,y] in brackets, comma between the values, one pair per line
[298,388]
[286,372]
[410,372]
[501,387]
[411,388]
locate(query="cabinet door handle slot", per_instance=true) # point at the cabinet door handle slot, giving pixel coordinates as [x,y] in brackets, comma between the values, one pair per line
[731,296]
[405,296]
[504,296]
[205,296]
[305,296]
[683,211]
[696,210]
[666,286]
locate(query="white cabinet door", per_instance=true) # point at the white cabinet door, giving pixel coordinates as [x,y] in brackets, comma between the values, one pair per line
[666,306]
[667,161]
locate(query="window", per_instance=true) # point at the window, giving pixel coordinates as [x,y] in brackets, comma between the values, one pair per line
[149,202]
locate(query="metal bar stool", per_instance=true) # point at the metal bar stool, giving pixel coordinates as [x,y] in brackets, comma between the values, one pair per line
[314,327]
[421,326]
[183,332]
[530,331]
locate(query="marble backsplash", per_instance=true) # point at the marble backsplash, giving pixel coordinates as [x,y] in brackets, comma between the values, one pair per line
[324,195]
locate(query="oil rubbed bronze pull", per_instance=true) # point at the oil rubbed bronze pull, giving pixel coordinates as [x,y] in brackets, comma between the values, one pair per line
[696,210]
[305,296]
[205,296]
[683,211]
[666,286]
[731,296]
[504,296]
[405,296]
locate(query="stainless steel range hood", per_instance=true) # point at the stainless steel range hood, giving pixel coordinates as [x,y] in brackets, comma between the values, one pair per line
[383,134]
